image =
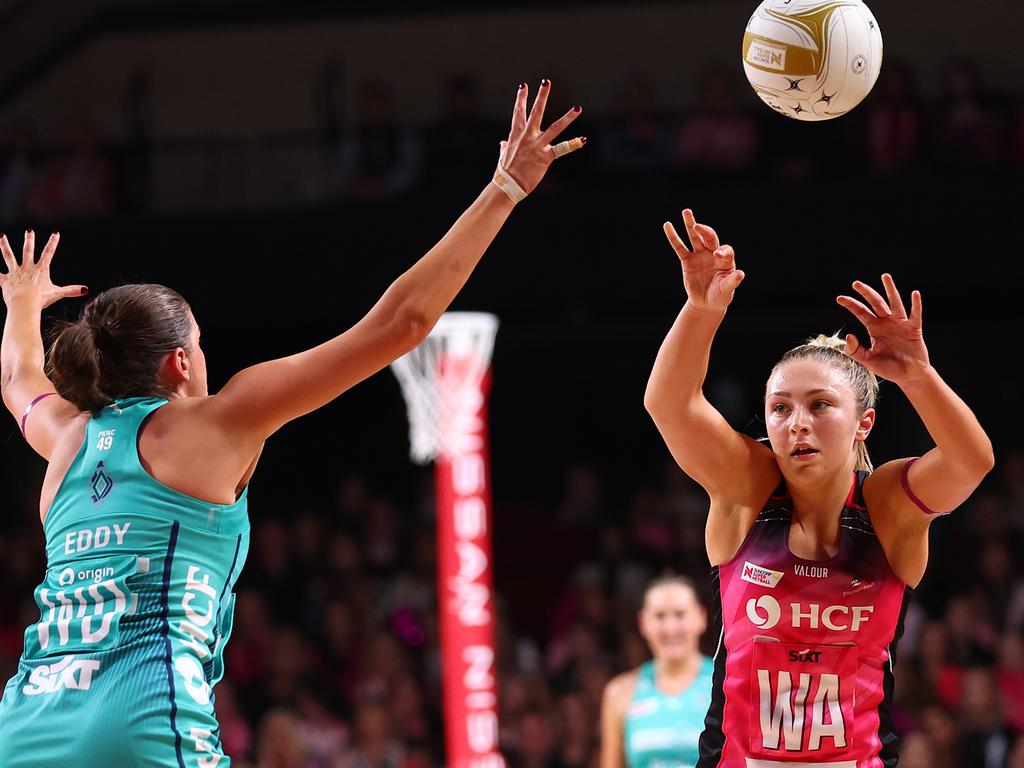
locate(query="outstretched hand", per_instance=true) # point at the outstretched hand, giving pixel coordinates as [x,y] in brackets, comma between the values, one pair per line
[709,268]
[528,153]
[897,352]
[31,278]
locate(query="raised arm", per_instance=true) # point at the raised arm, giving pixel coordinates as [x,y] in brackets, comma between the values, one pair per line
[946,475]
[731,467]
[27,291]
[259,400]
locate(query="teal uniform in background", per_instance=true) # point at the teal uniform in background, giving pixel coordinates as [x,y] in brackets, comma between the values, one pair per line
[135,609]
[662,731]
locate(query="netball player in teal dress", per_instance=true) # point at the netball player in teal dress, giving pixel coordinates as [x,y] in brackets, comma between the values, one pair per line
[652,716]
[144,499]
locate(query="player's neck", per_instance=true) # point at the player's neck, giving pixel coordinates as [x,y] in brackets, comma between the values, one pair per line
[817,507]
[675,674]
[820,498]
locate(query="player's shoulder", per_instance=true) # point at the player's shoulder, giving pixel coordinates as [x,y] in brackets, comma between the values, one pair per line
[707,668]
[71,436]
[885,495]
[189,413]
[75,428]
[730,520]
[619,690]
[186,427]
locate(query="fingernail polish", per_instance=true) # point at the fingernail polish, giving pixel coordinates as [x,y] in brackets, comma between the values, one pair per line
[577,108]
[545,82]
[521,86]
[583,139]
[84,290]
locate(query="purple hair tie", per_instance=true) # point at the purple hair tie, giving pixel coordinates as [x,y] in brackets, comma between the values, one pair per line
[910,494]
[29,408]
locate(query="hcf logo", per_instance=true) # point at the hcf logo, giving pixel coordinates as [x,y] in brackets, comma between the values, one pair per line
[765,612]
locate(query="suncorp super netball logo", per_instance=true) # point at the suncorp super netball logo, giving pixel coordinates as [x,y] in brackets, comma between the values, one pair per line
[757,574]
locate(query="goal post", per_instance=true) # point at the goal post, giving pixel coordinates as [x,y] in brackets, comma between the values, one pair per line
[445,382]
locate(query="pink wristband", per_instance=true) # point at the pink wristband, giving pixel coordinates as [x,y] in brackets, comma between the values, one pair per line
[29,408]
[910,494]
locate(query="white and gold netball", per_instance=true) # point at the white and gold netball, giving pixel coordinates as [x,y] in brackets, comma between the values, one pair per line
[812,60]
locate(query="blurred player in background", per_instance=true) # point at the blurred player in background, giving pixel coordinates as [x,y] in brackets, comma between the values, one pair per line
[652,716]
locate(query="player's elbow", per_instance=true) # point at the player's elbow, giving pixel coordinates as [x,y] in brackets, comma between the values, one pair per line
[971,467]
[985,461]
[653,401]
[410,326]
[980,459]
[662,405]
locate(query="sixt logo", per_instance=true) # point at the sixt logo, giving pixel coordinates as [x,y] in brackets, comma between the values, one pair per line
[809,656]
[66,673]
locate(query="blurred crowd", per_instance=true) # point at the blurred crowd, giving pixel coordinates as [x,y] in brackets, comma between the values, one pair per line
[371,154]
[334,659]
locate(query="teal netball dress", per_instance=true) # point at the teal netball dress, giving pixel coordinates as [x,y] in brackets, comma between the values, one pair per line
[135,609]
[662,731]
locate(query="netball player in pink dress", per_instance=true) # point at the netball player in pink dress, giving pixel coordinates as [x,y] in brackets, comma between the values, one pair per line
[814,552]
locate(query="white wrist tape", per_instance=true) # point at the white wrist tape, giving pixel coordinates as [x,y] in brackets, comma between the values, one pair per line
[508,185]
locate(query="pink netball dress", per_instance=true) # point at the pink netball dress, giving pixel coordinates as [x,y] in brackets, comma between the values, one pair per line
[803,671]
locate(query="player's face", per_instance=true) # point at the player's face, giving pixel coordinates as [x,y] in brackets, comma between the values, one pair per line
[814,423]
[672,621]
[197,384]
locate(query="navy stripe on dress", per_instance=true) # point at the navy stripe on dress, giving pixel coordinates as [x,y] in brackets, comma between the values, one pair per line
[166,632]
[712,740]
[889,753]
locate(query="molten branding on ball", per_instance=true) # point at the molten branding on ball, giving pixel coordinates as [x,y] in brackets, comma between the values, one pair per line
[812,60]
